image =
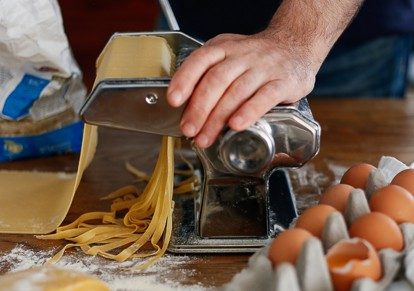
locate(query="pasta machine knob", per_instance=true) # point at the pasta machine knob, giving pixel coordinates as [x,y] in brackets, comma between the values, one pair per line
[248,151]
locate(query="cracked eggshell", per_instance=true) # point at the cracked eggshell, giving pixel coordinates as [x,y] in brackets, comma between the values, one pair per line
[352,259]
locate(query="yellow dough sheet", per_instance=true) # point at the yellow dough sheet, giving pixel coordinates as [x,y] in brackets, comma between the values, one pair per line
[50,279]
[34,202]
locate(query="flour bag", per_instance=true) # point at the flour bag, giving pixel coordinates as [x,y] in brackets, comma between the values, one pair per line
[41,87]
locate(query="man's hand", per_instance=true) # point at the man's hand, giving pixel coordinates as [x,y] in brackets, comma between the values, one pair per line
[236,79]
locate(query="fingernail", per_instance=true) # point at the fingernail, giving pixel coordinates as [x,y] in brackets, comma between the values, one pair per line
[202,141]
[176,97]
[188,129]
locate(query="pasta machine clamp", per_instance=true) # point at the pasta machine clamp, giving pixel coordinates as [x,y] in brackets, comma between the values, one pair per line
[245,197]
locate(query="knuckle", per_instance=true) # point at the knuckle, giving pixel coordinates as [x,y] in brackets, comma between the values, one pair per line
[256,113]
[271,89]
[219,38]
[198,112]
[237,93]
[216,74]
[201,54]
[213,128]
[198,54]
[219,71]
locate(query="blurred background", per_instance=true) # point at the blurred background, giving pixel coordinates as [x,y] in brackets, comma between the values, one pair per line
[90,23]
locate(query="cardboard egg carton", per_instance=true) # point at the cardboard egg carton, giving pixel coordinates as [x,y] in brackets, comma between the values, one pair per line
[311,271]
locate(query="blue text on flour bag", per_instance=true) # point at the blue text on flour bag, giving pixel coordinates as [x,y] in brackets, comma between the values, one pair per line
[21,99]
[60,140]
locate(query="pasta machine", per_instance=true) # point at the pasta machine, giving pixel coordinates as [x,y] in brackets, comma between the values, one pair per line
[245,197]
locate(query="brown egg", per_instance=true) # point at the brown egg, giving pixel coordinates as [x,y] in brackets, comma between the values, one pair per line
[337,196]
[352,259]
[286,246]
[313,219]
[394,201]
[405,179]
[357,175]
[379,229]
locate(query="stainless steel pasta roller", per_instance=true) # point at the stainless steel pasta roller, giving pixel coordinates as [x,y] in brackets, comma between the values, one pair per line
[245,196]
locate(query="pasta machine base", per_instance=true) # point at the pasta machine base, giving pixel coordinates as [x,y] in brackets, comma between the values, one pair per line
[281,211]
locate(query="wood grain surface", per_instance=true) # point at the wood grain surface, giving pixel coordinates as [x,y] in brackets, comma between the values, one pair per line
[352,131]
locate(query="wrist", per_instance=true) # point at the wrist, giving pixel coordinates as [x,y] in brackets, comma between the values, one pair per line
[309,28]
[308,54]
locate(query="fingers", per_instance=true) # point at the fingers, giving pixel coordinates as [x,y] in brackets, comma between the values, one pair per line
[253,109]
[238,92]
[190,72]
[207,93]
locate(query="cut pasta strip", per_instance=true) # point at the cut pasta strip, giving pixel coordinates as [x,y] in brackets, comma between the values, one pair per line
[142,176]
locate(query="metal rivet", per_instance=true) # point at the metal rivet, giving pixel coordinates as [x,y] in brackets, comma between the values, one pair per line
[151,98]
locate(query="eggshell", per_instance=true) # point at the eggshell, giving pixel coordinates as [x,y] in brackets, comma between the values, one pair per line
[286,247]
[357,175]
[313,219]
[394,201]
[379,229]
[337,196]
[349,260]
[405,179]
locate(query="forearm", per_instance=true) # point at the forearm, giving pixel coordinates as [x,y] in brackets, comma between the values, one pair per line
[311,27]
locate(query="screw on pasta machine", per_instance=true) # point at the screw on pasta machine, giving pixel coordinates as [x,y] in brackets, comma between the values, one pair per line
[151,98]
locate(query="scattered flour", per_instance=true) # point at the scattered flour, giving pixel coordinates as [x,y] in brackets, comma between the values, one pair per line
[309,183]
[337,170]
[155,277]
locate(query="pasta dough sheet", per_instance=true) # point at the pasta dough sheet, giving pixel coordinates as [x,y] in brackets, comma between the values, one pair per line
[50,279]
[119,59]
[33,202]
[19,209]
[36,202]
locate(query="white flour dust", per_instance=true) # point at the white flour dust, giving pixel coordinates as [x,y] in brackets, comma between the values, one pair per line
[154,278]
[309,182]
[308,185]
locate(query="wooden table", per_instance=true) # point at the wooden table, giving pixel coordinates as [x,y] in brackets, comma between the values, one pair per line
[352,131]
